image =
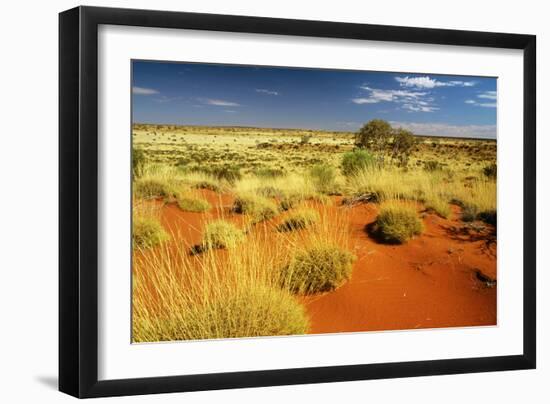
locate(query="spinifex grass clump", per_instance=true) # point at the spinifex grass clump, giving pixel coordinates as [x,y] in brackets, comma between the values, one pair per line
[319,268]
[207,184]
[192,203]
[324,178]
[397,223]
[147,232]
[154,188]
[255,206]
[299,220]
[270,191]
[177,296]
[253,312]
[222,234]
[289,201]
[439,206]
[267,172]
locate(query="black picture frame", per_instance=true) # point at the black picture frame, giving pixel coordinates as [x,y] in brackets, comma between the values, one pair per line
[78,201]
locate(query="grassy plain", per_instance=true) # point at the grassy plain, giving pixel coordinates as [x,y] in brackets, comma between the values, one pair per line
[264,223]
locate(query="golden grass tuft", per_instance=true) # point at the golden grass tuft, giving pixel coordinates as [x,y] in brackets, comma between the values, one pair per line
[177,296]
[222,234]
[253,312]
[147,232]
[192,203]
[256,207]
[319,268]
[397,222]
[299,220]
[147,188]
[439,206]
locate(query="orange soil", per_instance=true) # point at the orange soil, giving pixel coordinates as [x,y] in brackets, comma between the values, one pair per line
[428,282]
[431,281]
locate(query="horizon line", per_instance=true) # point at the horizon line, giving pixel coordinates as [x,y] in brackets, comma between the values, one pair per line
[351,132]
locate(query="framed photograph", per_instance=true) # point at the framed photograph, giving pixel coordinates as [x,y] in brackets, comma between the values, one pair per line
[251,202]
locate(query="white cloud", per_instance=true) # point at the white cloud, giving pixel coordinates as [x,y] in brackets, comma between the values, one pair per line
[164,99]
[490,95]
[440,129]
[220,103]
[462,83]
[265,91]
[419,108]
[413,101]
[143,91]
[487,95]
[365,100]
[429,83]
[378,95]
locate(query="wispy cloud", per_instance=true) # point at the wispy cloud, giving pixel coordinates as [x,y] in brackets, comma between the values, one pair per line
[429,83]
[266,91]
[413,101]
[439,129]
[164,99]
[419,108]
[491,96]
[144,91]
[219,103]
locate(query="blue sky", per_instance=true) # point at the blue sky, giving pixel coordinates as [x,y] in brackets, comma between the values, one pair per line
[278,97]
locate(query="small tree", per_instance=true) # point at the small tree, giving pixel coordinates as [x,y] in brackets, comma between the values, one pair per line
[374,135]
[403,143]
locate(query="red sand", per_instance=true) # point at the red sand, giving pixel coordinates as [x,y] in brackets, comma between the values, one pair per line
[429,282]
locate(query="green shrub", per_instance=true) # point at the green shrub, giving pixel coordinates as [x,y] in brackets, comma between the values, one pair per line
[257,207]
[138,162]
[324,177]
[317,269]
[222,234]
[299,220]
[258,311]
[397,223]
[147,232]
[433,165]
[229,173]
[192,203]
[207,184]
[490,171]
[268,172]
[356,161]
[154,188]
